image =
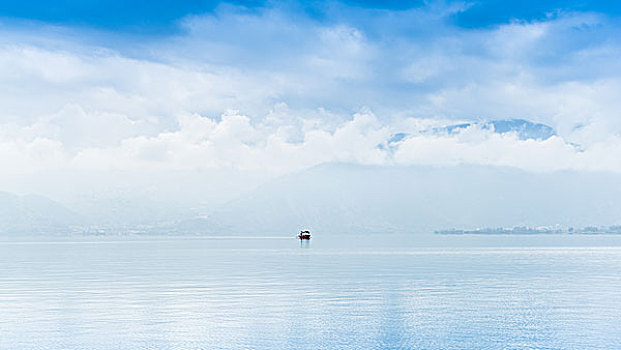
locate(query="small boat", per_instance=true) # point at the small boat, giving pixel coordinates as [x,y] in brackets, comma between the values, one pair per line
[304,235]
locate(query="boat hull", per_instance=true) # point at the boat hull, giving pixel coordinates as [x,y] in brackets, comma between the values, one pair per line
[304,236]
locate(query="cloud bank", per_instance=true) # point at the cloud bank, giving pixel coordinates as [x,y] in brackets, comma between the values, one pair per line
[280,90]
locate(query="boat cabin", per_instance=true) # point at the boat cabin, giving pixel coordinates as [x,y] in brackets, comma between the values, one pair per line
[304,235]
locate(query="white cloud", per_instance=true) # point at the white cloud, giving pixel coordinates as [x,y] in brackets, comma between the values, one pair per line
[236,142]
[295,84]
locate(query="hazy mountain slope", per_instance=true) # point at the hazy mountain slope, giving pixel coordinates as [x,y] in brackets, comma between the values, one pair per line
[342,198]
[33,215]
[348,198]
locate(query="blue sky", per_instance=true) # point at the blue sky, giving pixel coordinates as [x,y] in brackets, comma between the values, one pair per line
[159,17]
[98,85]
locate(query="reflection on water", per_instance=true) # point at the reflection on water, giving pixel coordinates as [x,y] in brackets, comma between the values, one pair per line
[382,293]
[304,243]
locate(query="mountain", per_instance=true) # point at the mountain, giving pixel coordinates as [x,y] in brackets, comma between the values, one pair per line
[34,215]
[349,199]
[524,129]
[343,198]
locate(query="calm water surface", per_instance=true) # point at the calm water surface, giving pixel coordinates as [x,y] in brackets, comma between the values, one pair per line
[382,292]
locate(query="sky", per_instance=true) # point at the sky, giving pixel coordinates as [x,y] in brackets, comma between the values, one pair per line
[276,87]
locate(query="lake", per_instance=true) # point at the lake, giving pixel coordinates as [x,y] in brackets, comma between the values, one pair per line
[334,292]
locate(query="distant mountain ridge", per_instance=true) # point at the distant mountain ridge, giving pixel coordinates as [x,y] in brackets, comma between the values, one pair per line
[343,198]
[338,198]
[33,214]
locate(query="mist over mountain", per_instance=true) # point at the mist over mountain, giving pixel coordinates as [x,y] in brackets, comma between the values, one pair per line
[335,198]
[32,214]
[339,198]
[343,198]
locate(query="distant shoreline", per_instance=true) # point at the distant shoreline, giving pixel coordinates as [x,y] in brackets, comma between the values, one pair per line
[589,230]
